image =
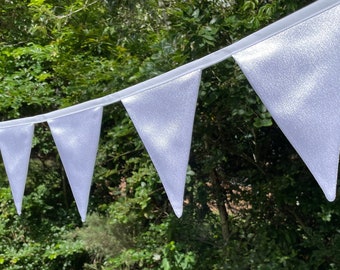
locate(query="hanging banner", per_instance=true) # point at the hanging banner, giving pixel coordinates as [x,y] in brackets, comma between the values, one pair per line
[76,137]
[15,145]
[164,117]
[296,74]
[293,65]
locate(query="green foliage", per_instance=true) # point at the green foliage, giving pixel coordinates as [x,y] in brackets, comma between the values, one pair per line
[250,203]
[34,241]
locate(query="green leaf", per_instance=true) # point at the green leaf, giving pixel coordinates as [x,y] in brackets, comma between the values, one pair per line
[259,122]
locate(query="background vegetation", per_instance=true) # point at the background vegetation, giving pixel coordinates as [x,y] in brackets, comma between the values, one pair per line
[250,202]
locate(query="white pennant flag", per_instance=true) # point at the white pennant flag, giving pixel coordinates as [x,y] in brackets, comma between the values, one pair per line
[296,73]
[15,145]
[163,117]
[77,137]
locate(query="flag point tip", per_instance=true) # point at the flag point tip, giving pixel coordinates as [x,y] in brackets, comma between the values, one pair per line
[331,197]
[178,212]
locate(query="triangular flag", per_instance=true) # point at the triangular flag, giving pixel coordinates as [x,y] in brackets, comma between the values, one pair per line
[163,117]
[77,137]
[15,145]
[296,74]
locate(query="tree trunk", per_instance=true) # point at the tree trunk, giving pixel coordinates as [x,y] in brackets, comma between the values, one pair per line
[220,197]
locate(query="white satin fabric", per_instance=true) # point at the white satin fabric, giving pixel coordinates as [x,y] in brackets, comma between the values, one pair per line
[296,73]
[15,145]
[76,137]
[163,117]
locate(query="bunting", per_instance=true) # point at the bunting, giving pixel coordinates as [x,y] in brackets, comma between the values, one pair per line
[76,137]
[296,75]
[164,118]
[293,66]
[15,145]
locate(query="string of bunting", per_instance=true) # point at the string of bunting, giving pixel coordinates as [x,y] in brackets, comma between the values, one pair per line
[293,66]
